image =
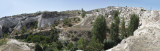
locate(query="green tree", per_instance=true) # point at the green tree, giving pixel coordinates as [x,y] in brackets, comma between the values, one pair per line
[114,29]
[116,21]
[59,45]
[115,14]
[113,32]
[99,28]
[81,44]
[54,35]
[94,45]
[133,24]
[123,30]
[38,47]
[83,14]
[29,38]
[70,46]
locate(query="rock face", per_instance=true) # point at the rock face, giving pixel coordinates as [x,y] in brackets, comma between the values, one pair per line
[44,21]
[16,22]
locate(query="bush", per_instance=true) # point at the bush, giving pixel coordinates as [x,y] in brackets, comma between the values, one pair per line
[82,43]
[94,45]
[59,45]
[54,35]
[70,46]
[55,49]
[5,35]
[109,43]
[29,38]
[99,28]
[23,29]
[38,47]
[35,24]
[67,22]
[133,24]
[3,41]
[37,39]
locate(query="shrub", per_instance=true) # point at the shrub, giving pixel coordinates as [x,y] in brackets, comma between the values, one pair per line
[37,39]
[97,10]
[59,45]
[70,46]
[67,22]
[5,35]
[35,24]
[94,45]
[109,43]
[54,35]
[55,49]
[3,41]
[81,44]
[23,29]
[29,38]
[99,28]
[38,47]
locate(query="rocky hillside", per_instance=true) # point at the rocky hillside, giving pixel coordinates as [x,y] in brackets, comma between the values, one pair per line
[145,37]
[47,19]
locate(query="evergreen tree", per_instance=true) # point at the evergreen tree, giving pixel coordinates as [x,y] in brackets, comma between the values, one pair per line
[123,31]
[113,32]
[99,28]
[115,14]
[114,29]
[133,24]
[83,14]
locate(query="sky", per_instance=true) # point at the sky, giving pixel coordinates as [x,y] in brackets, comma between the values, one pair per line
[14,7]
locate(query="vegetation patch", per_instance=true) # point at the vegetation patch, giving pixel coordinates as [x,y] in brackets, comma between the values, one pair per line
[3,41]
